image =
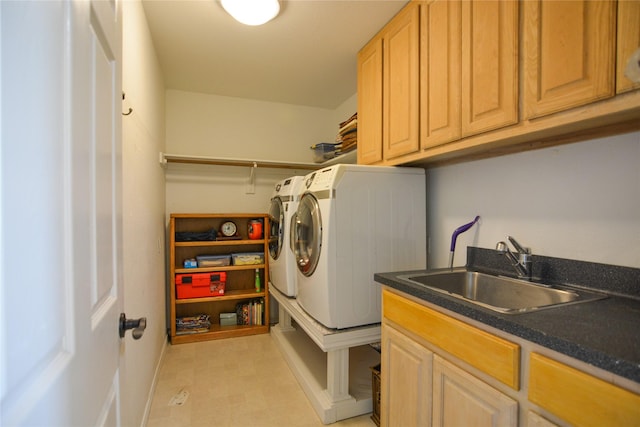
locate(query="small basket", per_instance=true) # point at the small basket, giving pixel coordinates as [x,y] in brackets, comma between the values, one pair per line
[323,151]
[248,258]
[375,384]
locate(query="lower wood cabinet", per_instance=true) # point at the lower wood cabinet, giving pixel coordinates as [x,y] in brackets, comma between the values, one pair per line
[536,420]
[427,379]
[460,399]
[578,397]
[406,380]
[419,388]
[422,388]
[496,357]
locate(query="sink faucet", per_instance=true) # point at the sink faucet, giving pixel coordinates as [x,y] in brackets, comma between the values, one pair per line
[522,263]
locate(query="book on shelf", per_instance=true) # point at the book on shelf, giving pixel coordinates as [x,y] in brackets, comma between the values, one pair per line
[193,324]
[191,331]
[250,312]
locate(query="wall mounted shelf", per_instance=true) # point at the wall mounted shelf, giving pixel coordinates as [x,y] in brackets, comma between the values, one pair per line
[165,158]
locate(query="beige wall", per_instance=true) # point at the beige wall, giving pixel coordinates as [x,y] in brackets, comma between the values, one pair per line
[218,126]
[579,201]
[143,206]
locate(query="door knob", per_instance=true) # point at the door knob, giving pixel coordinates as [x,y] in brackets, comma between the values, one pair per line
[138,326]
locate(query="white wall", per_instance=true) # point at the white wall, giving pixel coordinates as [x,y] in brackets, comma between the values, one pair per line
[143,222]
[579,201]
[344,111]
[218,126]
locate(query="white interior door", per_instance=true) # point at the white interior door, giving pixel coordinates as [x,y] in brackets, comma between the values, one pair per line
[60,222]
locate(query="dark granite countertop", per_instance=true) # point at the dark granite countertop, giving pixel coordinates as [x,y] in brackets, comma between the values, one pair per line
[604,333]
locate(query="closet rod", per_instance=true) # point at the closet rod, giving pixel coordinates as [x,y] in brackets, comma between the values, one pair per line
[202,160]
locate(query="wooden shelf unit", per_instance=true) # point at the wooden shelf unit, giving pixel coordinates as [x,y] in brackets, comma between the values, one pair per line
[240,285]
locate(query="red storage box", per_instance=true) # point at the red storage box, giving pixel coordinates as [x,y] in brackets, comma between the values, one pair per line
[200,285]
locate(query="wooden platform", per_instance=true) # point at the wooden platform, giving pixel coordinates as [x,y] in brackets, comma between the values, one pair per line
[331,365]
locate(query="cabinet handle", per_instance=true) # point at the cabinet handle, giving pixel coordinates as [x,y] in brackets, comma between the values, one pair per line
[632,71]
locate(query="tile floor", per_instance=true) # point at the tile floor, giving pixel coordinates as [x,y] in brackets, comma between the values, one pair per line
[236,382]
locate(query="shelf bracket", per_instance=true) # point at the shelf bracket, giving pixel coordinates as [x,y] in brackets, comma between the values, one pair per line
[251,185]
[163,160]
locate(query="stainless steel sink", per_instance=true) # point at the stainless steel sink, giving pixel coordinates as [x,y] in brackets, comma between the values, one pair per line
[500,293]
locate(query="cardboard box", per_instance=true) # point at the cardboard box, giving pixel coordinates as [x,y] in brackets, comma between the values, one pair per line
[200,285]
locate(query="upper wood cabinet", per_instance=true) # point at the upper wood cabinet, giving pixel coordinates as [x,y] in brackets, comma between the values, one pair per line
[451,80]
[440,72]
[569,54]
[628,41]
[400,82]
[388,90]
[489,65]
[370,102]
[469,68]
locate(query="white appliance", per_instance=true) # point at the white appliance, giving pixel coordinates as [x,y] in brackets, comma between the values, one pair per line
[353,221]
[284,202]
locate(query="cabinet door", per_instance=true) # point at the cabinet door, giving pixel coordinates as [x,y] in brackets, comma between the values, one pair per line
[569,54]
[370,103]
[489,65]
[460,399]
[405,381]
[628,41]
[401,83]
[440,56]
[535,420]
[579,398]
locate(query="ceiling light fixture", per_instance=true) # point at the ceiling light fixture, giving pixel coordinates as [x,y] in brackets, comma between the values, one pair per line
[252,12]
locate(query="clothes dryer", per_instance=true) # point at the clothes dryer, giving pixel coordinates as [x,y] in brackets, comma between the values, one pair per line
[284,202]
[353,221]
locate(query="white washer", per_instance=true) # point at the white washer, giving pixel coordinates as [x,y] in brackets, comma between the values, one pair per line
[284,202]
[353,221]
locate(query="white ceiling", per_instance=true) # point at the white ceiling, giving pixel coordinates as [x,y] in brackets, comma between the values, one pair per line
[305,56]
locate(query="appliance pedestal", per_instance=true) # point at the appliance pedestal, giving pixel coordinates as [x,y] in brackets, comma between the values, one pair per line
[332,366]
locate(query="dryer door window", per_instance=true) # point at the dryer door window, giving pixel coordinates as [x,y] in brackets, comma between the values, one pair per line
[308,234]
[276,219]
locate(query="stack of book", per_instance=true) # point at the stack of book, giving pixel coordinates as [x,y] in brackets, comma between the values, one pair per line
[348,135]
[193,324]
[346,140]
[251,312]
